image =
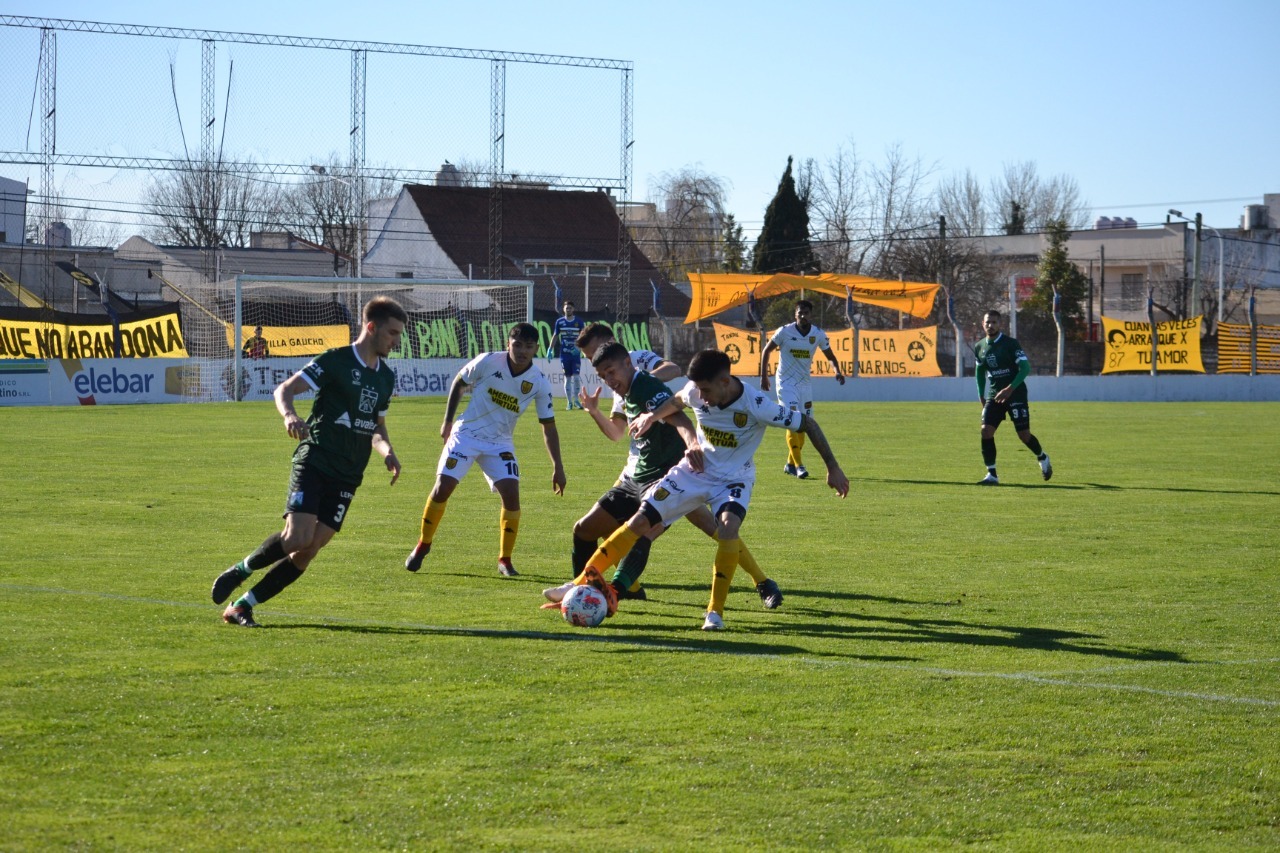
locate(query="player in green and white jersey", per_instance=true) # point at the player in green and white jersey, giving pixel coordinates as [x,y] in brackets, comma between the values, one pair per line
[1001,373]
[353,387]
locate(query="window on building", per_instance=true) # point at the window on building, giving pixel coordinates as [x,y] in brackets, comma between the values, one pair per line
[1133,291]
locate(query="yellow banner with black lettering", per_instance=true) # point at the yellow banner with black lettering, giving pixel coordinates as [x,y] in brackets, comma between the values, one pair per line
[906,352]
[289,340]
[1129,346]
[1234,348]
[35,333]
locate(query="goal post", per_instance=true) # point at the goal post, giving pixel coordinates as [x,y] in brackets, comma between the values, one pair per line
[300,317]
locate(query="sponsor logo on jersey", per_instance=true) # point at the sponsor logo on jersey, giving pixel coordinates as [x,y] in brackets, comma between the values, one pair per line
[355,376]
[504,400]
[739,419]
[720,438]
[346,495]
[365,425]
[343,419]
[661,494]
[800,353]
[526,387]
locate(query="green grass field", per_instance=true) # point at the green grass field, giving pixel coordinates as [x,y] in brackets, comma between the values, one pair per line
[1091,663]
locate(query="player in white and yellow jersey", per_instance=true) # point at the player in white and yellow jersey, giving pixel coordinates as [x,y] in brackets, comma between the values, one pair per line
[502,384]
[596,335]
[796,344]
[719,472]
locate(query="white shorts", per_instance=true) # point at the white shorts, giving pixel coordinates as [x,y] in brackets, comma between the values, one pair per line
[497,459]
[796,396]
[682,491]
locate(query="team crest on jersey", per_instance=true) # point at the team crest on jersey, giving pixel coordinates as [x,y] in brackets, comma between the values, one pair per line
[450,463]
[991,360]
[739,419]
[661,495]
[368,400]
[526,387]
[813,339]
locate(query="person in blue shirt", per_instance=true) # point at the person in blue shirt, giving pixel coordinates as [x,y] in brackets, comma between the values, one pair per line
[564,337]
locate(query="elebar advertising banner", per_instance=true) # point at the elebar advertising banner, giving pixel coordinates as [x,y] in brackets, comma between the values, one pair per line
[1129,346]
[906,352]
[36,333]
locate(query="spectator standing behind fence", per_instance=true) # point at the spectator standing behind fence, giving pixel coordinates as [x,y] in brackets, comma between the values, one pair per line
[256,346]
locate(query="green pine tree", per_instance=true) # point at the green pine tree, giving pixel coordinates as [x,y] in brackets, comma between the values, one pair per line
[1056,270]
[735,245]
[783,245]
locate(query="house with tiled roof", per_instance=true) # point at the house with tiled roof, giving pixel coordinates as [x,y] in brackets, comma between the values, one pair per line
[569,237]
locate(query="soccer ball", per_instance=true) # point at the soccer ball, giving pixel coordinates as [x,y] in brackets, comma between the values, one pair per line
[584,606]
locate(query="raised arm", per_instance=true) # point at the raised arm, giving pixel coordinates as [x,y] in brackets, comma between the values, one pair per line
[835,476]
[613,426]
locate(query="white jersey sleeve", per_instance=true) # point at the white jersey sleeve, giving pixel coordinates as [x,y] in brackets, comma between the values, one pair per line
[645,360]
[729,435]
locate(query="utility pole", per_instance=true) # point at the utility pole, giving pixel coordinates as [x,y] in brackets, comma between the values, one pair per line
[1195,273]
[1102,282]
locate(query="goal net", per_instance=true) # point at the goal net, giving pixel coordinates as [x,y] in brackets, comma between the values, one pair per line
[262,328]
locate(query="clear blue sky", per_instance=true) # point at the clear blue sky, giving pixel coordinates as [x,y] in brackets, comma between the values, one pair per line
[1148,105]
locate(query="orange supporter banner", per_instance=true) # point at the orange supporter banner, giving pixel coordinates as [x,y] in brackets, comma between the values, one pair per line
[716,292]
[909,352]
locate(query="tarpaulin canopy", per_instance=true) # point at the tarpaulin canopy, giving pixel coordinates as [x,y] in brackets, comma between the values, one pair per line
[716,292]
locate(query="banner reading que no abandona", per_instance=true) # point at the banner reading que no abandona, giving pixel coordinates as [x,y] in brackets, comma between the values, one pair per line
[36,333]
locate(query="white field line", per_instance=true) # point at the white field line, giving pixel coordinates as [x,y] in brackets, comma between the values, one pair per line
[1024,677]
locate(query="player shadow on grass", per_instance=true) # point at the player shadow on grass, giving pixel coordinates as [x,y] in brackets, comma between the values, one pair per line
[946,631]
[1069,486]
[716,644]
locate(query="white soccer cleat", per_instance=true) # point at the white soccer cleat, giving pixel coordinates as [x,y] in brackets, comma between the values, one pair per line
[789,469]
[713,622]
[989,480]
[1045,468]
[802,472]
[557,593]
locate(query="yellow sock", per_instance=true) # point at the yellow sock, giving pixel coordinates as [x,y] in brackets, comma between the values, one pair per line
[635,587]
[722,572]
[431,520]
[611,550]
[508,527]
[795,443]
[749,564]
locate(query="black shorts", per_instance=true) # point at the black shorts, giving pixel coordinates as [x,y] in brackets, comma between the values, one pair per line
[623,499]
[1019,412]
[318,494]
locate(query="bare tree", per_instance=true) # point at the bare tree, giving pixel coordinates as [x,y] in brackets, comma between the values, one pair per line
[838,206]
[960,199]
[687,232]
[89,225]
[210,207]
[1023,201]
[325,206]
[898,206]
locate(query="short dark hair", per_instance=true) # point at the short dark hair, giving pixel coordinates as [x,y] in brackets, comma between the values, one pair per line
[526,332]
[707,365]
[612,351]
[993,312]
[805,303]
[592,331]
[568,302]
[380,309]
